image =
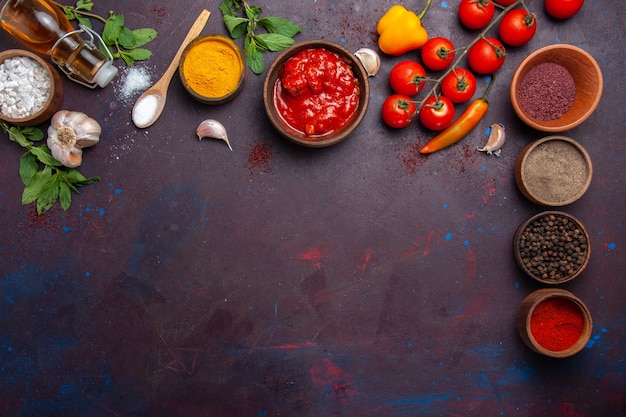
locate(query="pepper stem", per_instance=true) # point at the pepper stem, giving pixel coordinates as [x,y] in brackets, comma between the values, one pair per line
[424,10]
[491,83]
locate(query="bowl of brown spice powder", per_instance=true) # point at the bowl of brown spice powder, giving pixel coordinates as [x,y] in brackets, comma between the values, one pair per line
[553,171]
[556,88]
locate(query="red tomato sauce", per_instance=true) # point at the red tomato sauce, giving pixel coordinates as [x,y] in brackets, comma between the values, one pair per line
[316,93]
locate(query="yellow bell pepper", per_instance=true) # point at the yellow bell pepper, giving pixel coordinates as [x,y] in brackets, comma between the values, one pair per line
[401,30]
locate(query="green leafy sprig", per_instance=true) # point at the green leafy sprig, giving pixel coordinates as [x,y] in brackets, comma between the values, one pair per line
[45,179]
[279,35]
[123,42]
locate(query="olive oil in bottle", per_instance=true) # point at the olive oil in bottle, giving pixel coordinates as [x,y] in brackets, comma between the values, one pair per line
[42,26]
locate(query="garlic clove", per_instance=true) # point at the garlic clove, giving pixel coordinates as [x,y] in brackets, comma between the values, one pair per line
[370,60]
[210,128]
[497,137]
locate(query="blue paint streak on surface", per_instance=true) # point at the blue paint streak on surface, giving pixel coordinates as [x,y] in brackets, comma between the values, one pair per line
[448,235]
[427,403]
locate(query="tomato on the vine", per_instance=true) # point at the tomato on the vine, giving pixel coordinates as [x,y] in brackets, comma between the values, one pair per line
[459,85]
[407,77]
[486,56]
[504,3]
[476,14]
[517,27]
[438,53]
[399,110]
[437,113]
[563,9]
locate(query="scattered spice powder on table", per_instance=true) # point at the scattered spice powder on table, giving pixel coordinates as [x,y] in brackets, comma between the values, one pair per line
[259,157]
[547,91]
[556,323]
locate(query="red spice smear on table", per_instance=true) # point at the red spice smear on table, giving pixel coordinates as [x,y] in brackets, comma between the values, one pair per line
[556,323]
[316,93]
[547,91]
[259,157]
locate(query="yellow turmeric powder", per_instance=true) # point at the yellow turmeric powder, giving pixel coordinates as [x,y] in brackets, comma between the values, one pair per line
[212,68]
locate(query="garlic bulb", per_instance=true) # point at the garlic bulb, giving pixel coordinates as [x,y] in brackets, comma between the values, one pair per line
[210,128]
[69,133]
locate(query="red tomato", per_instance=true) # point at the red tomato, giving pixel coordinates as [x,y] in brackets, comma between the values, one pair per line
[517,27]
[486,56]
[476,14]
[437,113]
[459,86]
[399,110]
[563,9]
[504,3]
[438,53]
[407,77]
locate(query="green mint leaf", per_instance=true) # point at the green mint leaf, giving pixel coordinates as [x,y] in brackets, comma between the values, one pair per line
[33,133]
[83,21]
[84,5]
[32,190]
[126,38]
[137,54]
[274,41]
[75,176]
[279,25]
[28,167]
[48,194]
[65,195]
[254,59]
[16,135]
[44,156]
[112,28]
[236,26]
[253,12]
[143,36]
[227,8]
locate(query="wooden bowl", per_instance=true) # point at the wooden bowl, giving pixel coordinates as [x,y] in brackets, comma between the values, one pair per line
[549,255]
[294,135]
[209,74]
[553,171]
[55,96]
[587,78]
[564,299]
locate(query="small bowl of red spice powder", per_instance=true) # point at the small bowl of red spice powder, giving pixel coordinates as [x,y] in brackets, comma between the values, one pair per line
[316,93]
[556,88]
[554,322]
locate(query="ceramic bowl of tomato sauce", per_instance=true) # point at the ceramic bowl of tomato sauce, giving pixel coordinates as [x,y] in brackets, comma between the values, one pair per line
[316,93]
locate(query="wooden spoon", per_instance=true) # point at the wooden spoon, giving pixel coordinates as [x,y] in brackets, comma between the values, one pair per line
[150,104]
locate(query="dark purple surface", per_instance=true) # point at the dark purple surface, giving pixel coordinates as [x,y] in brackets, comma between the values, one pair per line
[359,280]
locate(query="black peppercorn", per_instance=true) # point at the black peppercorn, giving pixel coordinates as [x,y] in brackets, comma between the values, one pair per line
[553,247]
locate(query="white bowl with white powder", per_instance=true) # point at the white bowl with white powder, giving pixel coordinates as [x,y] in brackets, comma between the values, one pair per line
[31,90]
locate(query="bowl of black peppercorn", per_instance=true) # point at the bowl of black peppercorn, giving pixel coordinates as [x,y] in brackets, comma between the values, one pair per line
[552,247]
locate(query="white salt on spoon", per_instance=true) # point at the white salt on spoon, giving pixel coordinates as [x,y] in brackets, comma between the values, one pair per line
[150,104]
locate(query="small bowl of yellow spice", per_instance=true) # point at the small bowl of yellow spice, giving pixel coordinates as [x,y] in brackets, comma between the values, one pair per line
[212,69]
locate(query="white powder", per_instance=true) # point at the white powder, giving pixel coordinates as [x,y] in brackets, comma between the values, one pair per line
[134,80]
[145,110]
[24,87]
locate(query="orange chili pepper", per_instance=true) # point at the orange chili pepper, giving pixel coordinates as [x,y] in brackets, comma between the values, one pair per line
[461,126]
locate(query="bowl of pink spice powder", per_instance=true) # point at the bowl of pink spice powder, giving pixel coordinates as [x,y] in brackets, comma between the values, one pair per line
[556,88]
